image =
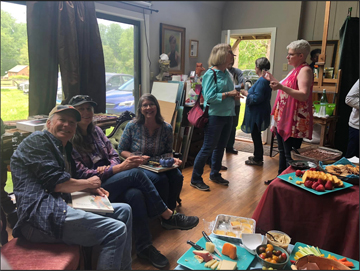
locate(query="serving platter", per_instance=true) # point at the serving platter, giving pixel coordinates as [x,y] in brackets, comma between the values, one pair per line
[302,164]
[244,258]
[293,178]
[223,223]
[325,252]
[353,179]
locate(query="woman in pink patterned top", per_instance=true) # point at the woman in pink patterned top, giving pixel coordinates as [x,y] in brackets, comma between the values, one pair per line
[292,110]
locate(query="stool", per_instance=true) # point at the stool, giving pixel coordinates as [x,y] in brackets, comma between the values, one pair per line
[273,140]
[24,255]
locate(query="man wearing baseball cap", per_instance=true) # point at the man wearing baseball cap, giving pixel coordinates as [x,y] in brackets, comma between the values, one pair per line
[42,170]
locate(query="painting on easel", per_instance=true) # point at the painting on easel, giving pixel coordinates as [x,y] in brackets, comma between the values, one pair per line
[331,52]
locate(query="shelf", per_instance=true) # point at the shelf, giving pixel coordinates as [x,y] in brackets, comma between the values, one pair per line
[327,80]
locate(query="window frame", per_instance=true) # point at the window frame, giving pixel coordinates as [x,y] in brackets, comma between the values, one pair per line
[137,55]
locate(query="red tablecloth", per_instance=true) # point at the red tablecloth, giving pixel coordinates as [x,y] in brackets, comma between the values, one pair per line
[329,221]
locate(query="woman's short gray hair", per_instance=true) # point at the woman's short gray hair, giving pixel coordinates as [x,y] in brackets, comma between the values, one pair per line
[300,46]
[218,54]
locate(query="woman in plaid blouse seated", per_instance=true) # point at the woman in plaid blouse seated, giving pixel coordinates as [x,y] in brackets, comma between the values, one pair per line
[149,134]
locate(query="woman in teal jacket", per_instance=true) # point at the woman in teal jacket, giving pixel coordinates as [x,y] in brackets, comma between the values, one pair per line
[219,95]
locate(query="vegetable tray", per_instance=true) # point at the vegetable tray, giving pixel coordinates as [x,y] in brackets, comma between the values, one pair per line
[325,252]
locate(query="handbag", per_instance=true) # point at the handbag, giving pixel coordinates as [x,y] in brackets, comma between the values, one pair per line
[196,116]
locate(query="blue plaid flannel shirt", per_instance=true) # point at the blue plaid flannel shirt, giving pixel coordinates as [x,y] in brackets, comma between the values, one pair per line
[37,166]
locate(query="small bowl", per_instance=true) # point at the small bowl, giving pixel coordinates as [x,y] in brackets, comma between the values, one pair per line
[250,241]
[274,243]
[273,265]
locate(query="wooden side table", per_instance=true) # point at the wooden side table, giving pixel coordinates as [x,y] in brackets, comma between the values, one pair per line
[329,137]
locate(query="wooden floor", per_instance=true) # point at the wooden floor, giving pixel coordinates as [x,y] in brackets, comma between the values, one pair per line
[240,198]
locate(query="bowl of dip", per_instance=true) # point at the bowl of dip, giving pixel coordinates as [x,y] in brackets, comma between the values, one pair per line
[282,238]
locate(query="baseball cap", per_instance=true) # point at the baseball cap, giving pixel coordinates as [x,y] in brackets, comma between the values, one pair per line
[65,107]
[81,99]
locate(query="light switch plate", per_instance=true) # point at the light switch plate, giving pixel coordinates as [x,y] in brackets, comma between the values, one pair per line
[285,67]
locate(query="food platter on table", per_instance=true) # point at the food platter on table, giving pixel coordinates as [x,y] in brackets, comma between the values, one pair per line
[344,170]
[292,179]
[244,258]
[324,252]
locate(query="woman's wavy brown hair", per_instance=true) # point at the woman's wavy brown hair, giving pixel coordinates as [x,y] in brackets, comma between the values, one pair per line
[140,118]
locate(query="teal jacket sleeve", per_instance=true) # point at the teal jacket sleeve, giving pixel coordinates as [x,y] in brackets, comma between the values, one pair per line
[209,88]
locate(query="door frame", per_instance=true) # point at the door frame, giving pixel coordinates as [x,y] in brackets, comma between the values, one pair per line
[225,37]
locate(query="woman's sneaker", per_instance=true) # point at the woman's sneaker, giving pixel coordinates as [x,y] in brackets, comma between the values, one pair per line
[251,162]
[154,257]
[200,186]
[179,222]
[219,180]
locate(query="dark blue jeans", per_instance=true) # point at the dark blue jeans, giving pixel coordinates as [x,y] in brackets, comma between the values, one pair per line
[136,189]
[285,148]
[168,184]
[353,144]
[216,136]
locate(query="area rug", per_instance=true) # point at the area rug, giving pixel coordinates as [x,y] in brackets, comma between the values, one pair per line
[249,147]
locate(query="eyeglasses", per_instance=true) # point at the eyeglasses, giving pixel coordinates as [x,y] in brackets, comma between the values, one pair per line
[147,105]
[293,54]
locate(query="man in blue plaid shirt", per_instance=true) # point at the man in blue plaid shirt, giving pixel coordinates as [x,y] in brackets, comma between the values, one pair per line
[42,170]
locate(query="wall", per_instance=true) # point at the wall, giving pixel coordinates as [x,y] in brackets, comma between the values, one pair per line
[202,21]
[284,15]
[313,14]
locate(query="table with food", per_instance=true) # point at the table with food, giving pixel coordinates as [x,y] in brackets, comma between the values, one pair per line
[233,244]
[307,219]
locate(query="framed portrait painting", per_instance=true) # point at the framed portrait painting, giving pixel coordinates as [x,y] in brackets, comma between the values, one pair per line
[172,43]
[330,52]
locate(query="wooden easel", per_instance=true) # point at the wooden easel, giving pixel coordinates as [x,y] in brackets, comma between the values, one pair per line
[332,87]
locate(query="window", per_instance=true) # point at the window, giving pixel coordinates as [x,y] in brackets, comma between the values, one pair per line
[120,40]
[14,62]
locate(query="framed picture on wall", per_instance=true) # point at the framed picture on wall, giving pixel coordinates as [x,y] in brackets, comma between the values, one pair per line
[193,48]
[330,51]
[172,43]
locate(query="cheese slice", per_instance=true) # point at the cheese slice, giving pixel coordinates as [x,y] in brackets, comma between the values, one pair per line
[228,265]
[209,263]
[214,265]
[210,247]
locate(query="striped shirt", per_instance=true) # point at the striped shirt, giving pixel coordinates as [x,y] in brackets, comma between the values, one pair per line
[102,154]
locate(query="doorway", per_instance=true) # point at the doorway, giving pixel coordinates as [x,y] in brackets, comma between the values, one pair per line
[254,43]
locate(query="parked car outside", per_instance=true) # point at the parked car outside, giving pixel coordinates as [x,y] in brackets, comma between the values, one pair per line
[118,98]
[115,80]
[250,77]
[121,99]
